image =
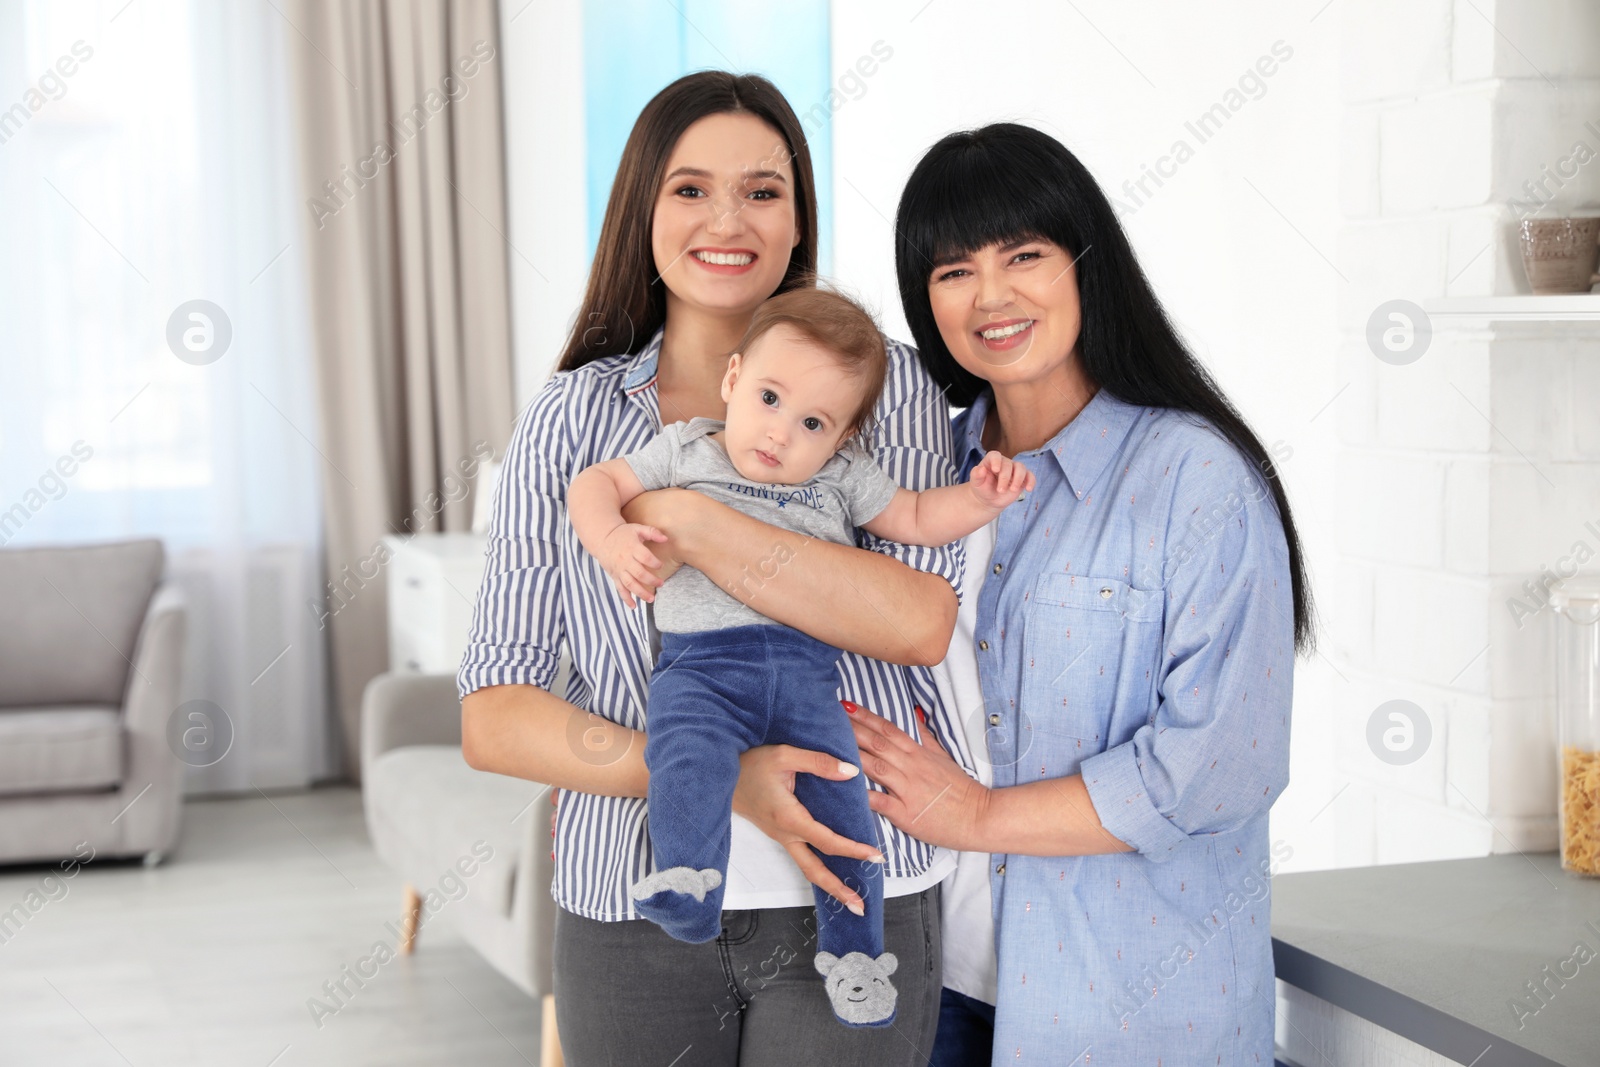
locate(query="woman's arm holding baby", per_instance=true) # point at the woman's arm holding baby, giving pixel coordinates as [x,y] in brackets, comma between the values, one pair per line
[862,602]
[898,614]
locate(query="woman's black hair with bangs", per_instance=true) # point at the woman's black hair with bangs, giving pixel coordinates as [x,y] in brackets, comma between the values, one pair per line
[1006,182]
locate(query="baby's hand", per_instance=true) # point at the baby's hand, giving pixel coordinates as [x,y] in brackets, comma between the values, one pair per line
[998,481]
[630,563]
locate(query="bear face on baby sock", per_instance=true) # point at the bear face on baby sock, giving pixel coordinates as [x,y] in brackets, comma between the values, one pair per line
[859,988]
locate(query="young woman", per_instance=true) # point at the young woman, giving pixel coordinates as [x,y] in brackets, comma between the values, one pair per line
[712,211]
[1125,665]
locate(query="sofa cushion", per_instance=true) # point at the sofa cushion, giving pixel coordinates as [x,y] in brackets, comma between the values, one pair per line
[59,749]
[427,808]
[77,613]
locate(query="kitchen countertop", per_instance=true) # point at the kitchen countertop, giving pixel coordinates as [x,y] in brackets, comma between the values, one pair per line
[1441,953]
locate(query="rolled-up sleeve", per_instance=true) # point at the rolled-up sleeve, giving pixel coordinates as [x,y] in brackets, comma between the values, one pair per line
[1217,751]
[911,442]
[517,624]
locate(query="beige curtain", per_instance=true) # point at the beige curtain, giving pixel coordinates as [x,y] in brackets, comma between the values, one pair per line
[401,153]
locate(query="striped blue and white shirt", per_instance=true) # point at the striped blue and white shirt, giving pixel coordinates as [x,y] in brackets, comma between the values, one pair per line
[542,592]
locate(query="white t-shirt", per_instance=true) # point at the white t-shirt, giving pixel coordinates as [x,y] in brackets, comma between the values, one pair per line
[969,958]
[762,874]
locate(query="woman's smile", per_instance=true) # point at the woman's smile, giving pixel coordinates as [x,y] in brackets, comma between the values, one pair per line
[1003,336]
[724,260]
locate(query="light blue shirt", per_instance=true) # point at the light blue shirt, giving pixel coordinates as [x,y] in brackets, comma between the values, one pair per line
[1136,626]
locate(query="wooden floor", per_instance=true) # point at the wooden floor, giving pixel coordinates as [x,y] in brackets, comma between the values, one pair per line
[211,958]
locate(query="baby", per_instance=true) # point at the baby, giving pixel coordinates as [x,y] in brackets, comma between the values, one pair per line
[799,392]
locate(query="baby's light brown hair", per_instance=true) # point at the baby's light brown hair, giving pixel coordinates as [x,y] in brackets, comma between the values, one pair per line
[838,325]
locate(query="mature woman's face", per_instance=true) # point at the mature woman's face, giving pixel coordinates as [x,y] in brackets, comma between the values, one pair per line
[1009,314]
[724,221]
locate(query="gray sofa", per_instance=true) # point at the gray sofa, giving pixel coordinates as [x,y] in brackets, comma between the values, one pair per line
[91,656]
[428,811]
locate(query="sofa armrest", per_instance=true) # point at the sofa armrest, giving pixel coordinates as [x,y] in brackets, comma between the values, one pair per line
[400,709]
[150,700]
[534,910]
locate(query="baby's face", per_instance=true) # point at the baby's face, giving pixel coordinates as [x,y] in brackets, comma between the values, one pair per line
[789,403]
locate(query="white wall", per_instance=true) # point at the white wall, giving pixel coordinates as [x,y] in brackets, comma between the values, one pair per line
[541,46]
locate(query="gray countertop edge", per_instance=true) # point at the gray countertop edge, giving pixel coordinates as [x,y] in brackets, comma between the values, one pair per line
[1429,1027]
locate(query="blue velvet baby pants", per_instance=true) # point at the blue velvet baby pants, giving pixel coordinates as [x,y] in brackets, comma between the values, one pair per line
[713,695]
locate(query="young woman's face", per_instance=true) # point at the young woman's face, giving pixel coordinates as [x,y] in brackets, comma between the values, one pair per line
[1009,314]
[725,215]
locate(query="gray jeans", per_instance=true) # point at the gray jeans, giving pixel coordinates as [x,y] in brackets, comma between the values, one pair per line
[628,995]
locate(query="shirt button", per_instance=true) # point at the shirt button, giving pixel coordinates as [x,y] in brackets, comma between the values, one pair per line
[984,645]
[997,568]
[1000,869]
[1105,592]
[994,720]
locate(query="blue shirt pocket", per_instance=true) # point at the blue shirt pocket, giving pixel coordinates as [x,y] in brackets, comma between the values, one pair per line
[1091,655]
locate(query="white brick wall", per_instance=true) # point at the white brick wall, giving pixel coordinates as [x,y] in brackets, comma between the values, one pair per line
[1465,473]
[1438,405]
[1393,506]
[1394,50]
[1555,38]
[1448,136]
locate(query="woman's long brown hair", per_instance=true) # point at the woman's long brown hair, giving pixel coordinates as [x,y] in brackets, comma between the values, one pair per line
[625,301]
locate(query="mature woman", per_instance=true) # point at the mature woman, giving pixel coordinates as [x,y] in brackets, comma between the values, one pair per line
[712,211]
[1126,663]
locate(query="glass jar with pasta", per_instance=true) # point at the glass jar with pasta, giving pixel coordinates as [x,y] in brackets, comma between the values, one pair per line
[1577,618]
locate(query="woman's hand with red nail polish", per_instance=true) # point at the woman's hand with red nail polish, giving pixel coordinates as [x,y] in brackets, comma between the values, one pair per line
[928,795]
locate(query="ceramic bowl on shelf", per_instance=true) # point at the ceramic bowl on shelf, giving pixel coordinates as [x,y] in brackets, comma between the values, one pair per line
[1560,255]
